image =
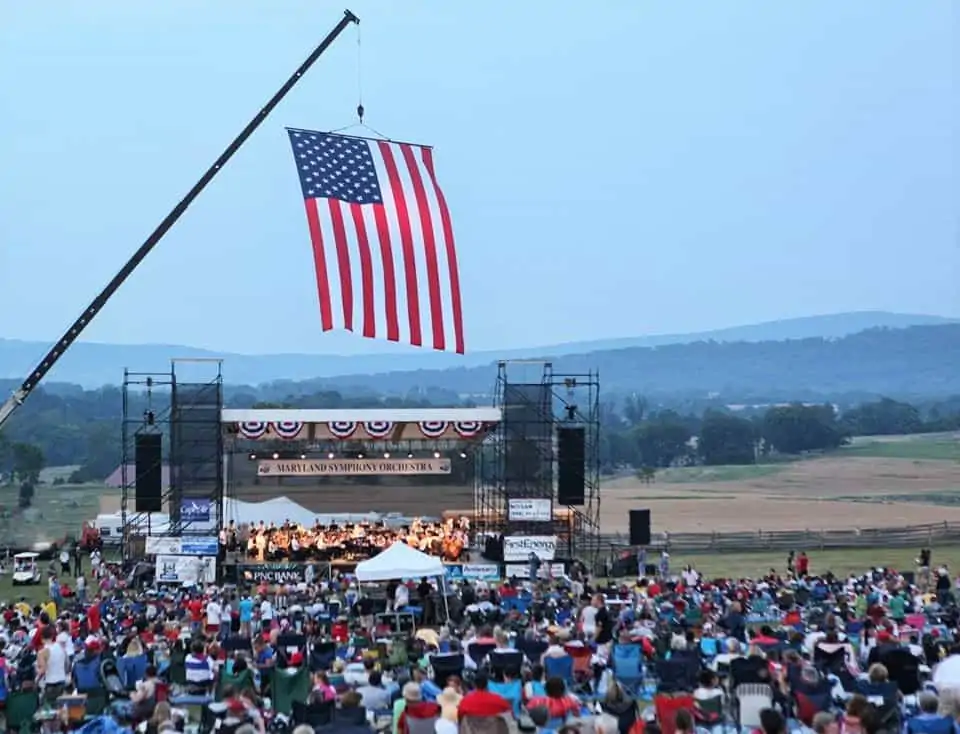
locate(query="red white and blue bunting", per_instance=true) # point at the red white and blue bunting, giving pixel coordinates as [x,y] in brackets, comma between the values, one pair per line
[342,429]
[378,429]
[253,429]
[433,429]
[468,429]
[287,429]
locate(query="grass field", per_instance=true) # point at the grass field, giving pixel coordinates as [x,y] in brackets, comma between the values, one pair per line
[57,511]
[933,447]
[880,482]
[701,474]
[841,562]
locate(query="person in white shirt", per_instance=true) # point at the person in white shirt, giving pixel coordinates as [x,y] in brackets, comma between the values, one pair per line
[588,619]
[213,617]
[266,614]
[401,597]
[52,663]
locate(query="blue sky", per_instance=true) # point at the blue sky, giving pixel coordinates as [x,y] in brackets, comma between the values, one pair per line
[613,168]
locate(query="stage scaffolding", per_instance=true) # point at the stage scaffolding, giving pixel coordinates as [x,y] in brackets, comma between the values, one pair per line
[186,414]
[519,459]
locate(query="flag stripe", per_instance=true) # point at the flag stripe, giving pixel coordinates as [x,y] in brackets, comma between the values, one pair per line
[429,246]
[406,242]
[343,262]
[389,273]
[450,246]
[320,264]
[366,272]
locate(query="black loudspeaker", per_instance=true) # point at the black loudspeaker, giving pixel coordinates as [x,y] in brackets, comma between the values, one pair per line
[149,472]
[571,463]
[639,527]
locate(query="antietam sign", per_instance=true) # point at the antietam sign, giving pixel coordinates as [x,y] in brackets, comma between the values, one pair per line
[350,467]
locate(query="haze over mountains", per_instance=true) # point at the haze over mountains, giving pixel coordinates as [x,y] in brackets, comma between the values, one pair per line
[647,357]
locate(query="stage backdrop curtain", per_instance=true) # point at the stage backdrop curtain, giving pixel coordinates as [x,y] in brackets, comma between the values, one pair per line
[399,561]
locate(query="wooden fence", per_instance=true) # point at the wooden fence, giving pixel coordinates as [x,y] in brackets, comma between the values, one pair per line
[912,536]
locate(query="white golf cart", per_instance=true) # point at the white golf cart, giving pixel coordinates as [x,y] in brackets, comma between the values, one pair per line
[25,569]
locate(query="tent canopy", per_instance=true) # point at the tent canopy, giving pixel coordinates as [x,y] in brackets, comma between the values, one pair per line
[399,561]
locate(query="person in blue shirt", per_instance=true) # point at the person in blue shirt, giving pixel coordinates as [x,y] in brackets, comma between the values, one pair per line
[929,721]
[245,610]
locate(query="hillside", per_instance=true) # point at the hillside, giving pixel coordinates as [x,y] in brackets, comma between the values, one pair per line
[914,362]
[92,365]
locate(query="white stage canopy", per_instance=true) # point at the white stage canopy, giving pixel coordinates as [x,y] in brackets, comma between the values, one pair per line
[399,561]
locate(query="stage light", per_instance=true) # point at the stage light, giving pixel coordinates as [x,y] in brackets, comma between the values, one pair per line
[463,454]
[276,455]
[436,454]
[253,457]
[303,456]
[386,454]
[330,455]
[360,455]
[409,454]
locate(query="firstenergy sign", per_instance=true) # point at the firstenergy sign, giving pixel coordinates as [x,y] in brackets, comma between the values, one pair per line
[350,467]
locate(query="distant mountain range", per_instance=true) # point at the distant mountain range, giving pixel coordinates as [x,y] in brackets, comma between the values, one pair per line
[93,365]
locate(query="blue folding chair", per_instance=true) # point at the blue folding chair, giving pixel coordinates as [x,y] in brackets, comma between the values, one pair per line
[131,670]
[560,667]
[627,661]
[86,675]
[512,691]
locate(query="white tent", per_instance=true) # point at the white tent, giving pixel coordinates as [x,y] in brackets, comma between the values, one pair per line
[399,561]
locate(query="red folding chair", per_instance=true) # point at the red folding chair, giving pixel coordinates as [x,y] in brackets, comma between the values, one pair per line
[667,705]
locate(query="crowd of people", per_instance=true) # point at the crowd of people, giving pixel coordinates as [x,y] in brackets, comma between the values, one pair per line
[290,541]
[665,653]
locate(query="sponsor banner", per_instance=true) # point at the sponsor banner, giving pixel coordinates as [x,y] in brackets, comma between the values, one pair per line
[278,573]
[519,547]
[547,571]
[195,510]
[187,545]
[530,510]
[472,571]
[199,546]
[158,546]
[186,570]
[350,467]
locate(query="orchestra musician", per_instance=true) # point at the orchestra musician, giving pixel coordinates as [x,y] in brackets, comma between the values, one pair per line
[350,541]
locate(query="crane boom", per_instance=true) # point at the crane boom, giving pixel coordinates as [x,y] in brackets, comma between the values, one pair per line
[71,335]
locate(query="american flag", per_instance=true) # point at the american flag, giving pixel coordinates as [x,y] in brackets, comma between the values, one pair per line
[383,246]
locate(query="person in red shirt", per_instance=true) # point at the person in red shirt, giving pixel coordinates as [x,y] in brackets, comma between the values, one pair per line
[558,703]
[195,608]
[480,702]
[93,617]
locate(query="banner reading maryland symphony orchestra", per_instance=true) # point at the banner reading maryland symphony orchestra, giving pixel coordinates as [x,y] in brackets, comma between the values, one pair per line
[350,467]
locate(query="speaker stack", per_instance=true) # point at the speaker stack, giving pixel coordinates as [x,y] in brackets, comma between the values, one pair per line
[148,455]
[639,527]
[571,465]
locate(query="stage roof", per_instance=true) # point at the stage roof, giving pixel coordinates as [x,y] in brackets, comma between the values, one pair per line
[369,415]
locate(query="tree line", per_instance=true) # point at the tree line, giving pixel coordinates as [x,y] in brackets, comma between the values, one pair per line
[636,436]
[69,426]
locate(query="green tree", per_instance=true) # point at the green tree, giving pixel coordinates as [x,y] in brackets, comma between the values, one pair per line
[663,440]
[884,417]
[726,439]
[6,459]
[796,428]
[28,462]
